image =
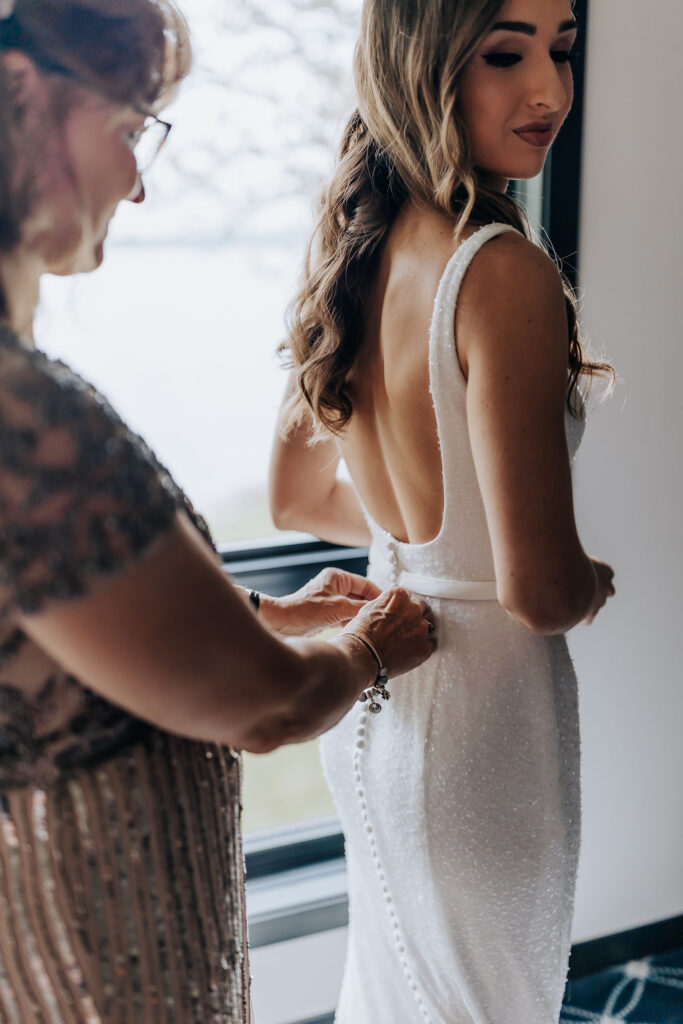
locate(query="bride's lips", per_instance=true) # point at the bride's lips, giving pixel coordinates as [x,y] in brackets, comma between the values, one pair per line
[538,133]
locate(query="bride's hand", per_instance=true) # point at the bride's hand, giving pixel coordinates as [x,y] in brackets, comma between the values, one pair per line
[604,589]
[332,598]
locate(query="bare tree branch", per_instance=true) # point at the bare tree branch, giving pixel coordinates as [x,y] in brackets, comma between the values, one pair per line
[257,124]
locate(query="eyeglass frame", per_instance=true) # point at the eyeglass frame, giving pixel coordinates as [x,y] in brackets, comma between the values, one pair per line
[151,121]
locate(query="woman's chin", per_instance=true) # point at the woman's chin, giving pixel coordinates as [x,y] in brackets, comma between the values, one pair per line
[500,178]
[83,259]
[83,263]
[529,175]
[531,168]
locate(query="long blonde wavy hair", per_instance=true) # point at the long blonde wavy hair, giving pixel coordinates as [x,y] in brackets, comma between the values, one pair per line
[405,141]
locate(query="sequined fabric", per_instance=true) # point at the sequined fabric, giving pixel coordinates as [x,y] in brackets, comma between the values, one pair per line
[460,802]
[121,868]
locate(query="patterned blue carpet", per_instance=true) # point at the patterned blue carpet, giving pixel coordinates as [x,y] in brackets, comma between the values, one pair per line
[648,991]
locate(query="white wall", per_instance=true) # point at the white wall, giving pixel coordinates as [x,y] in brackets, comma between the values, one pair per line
[630,472]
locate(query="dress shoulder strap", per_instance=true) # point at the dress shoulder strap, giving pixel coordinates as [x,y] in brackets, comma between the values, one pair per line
[445,370]
[445,374]
[447,382]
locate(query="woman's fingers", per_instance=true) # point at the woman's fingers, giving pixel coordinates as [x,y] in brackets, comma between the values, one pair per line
[605,589]
[364,589]
[342,609]
[345,584]
[352,585]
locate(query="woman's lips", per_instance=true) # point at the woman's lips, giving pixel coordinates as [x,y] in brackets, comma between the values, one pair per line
[539,136]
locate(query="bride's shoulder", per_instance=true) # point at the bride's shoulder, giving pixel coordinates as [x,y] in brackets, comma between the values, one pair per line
[512,301]
[511,273]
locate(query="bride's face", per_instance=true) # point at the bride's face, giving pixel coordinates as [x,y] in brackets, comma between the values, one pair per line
[517,88]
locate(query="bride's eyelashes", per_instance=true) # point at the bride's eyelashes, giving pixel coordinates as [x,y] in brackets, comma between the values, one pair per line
[564,56]
[508,60]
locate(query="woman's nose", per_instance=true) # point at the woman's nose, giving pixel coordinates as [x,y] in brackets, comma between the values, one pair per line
[138,194]
[547,89]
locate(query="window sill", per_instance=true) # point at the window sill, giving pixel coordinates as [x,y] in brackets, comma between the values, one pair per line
[303,901]
[284,564]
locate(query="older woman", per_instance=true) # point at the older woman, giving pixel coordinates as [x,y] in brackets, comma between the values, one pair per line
[129,664]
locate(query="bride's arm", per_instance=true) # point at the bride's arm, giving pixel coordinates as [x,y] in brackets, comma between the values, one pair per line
[512,345]
[305,491]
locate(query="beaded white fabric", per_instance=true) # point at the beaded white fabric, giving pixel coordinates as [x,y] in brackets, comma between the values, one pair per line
[460,802]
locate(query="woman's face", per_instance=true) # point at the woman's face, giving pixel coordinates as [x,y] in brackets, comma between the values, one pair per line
[99,171]
[80,162]
[517,88]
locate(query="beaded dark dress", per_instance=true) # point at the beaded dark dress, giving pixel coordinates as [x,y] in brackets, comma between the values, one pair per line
[121,870]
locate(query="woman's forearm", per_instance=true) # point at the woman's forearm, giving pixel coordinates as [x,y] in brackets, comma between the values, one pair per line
[170,640]
[319,685]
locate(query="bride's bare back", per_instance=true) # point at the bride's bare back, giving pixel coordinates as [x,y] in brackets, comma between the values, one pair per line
[391,444]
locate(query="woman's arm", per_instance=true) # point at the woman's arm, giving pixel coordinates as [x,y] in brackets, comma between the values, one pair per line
[100,568]
[172,641]
[305,493]
[512,344]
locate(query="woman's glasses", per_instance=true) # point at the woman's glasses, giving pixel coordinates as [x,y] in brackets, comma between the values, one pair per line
[148,141]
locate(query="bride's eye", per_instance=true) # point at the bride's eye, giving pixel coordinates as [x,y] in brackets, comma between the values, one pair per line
[563,56]
[502,60]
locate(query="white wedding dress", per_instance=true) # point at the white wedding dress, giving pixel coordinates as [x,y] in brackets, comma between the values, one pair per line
[460,802]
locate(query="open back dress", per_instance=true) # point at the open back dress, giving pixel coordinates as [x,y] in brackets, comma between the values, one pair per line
[460,802]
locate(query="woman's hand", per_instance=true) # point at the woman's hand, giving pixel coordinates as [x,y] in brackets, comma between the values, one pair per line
[603,591]
[332,598]
[399,628]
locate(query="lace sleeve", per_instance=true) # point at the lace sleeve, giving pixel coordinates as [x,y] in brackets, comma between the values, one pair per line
[80,495]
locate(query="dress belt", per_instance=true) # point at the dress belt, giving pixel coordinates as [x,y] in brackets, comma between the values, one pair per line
[432,586]
[452,590]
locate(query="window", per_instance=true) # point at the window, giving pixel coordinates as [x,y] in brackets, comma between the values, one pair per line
[181,325]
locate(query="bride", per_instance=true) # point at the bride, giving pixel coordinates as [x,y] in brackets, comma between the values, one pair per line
[436,351]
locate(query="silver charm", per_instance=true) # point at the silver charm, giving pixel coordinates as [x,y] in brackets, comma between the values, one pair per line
[376,692]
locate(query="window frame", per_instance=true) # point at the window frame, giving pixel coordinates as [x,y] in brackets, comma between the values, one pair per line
[562,199]
[281,566]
